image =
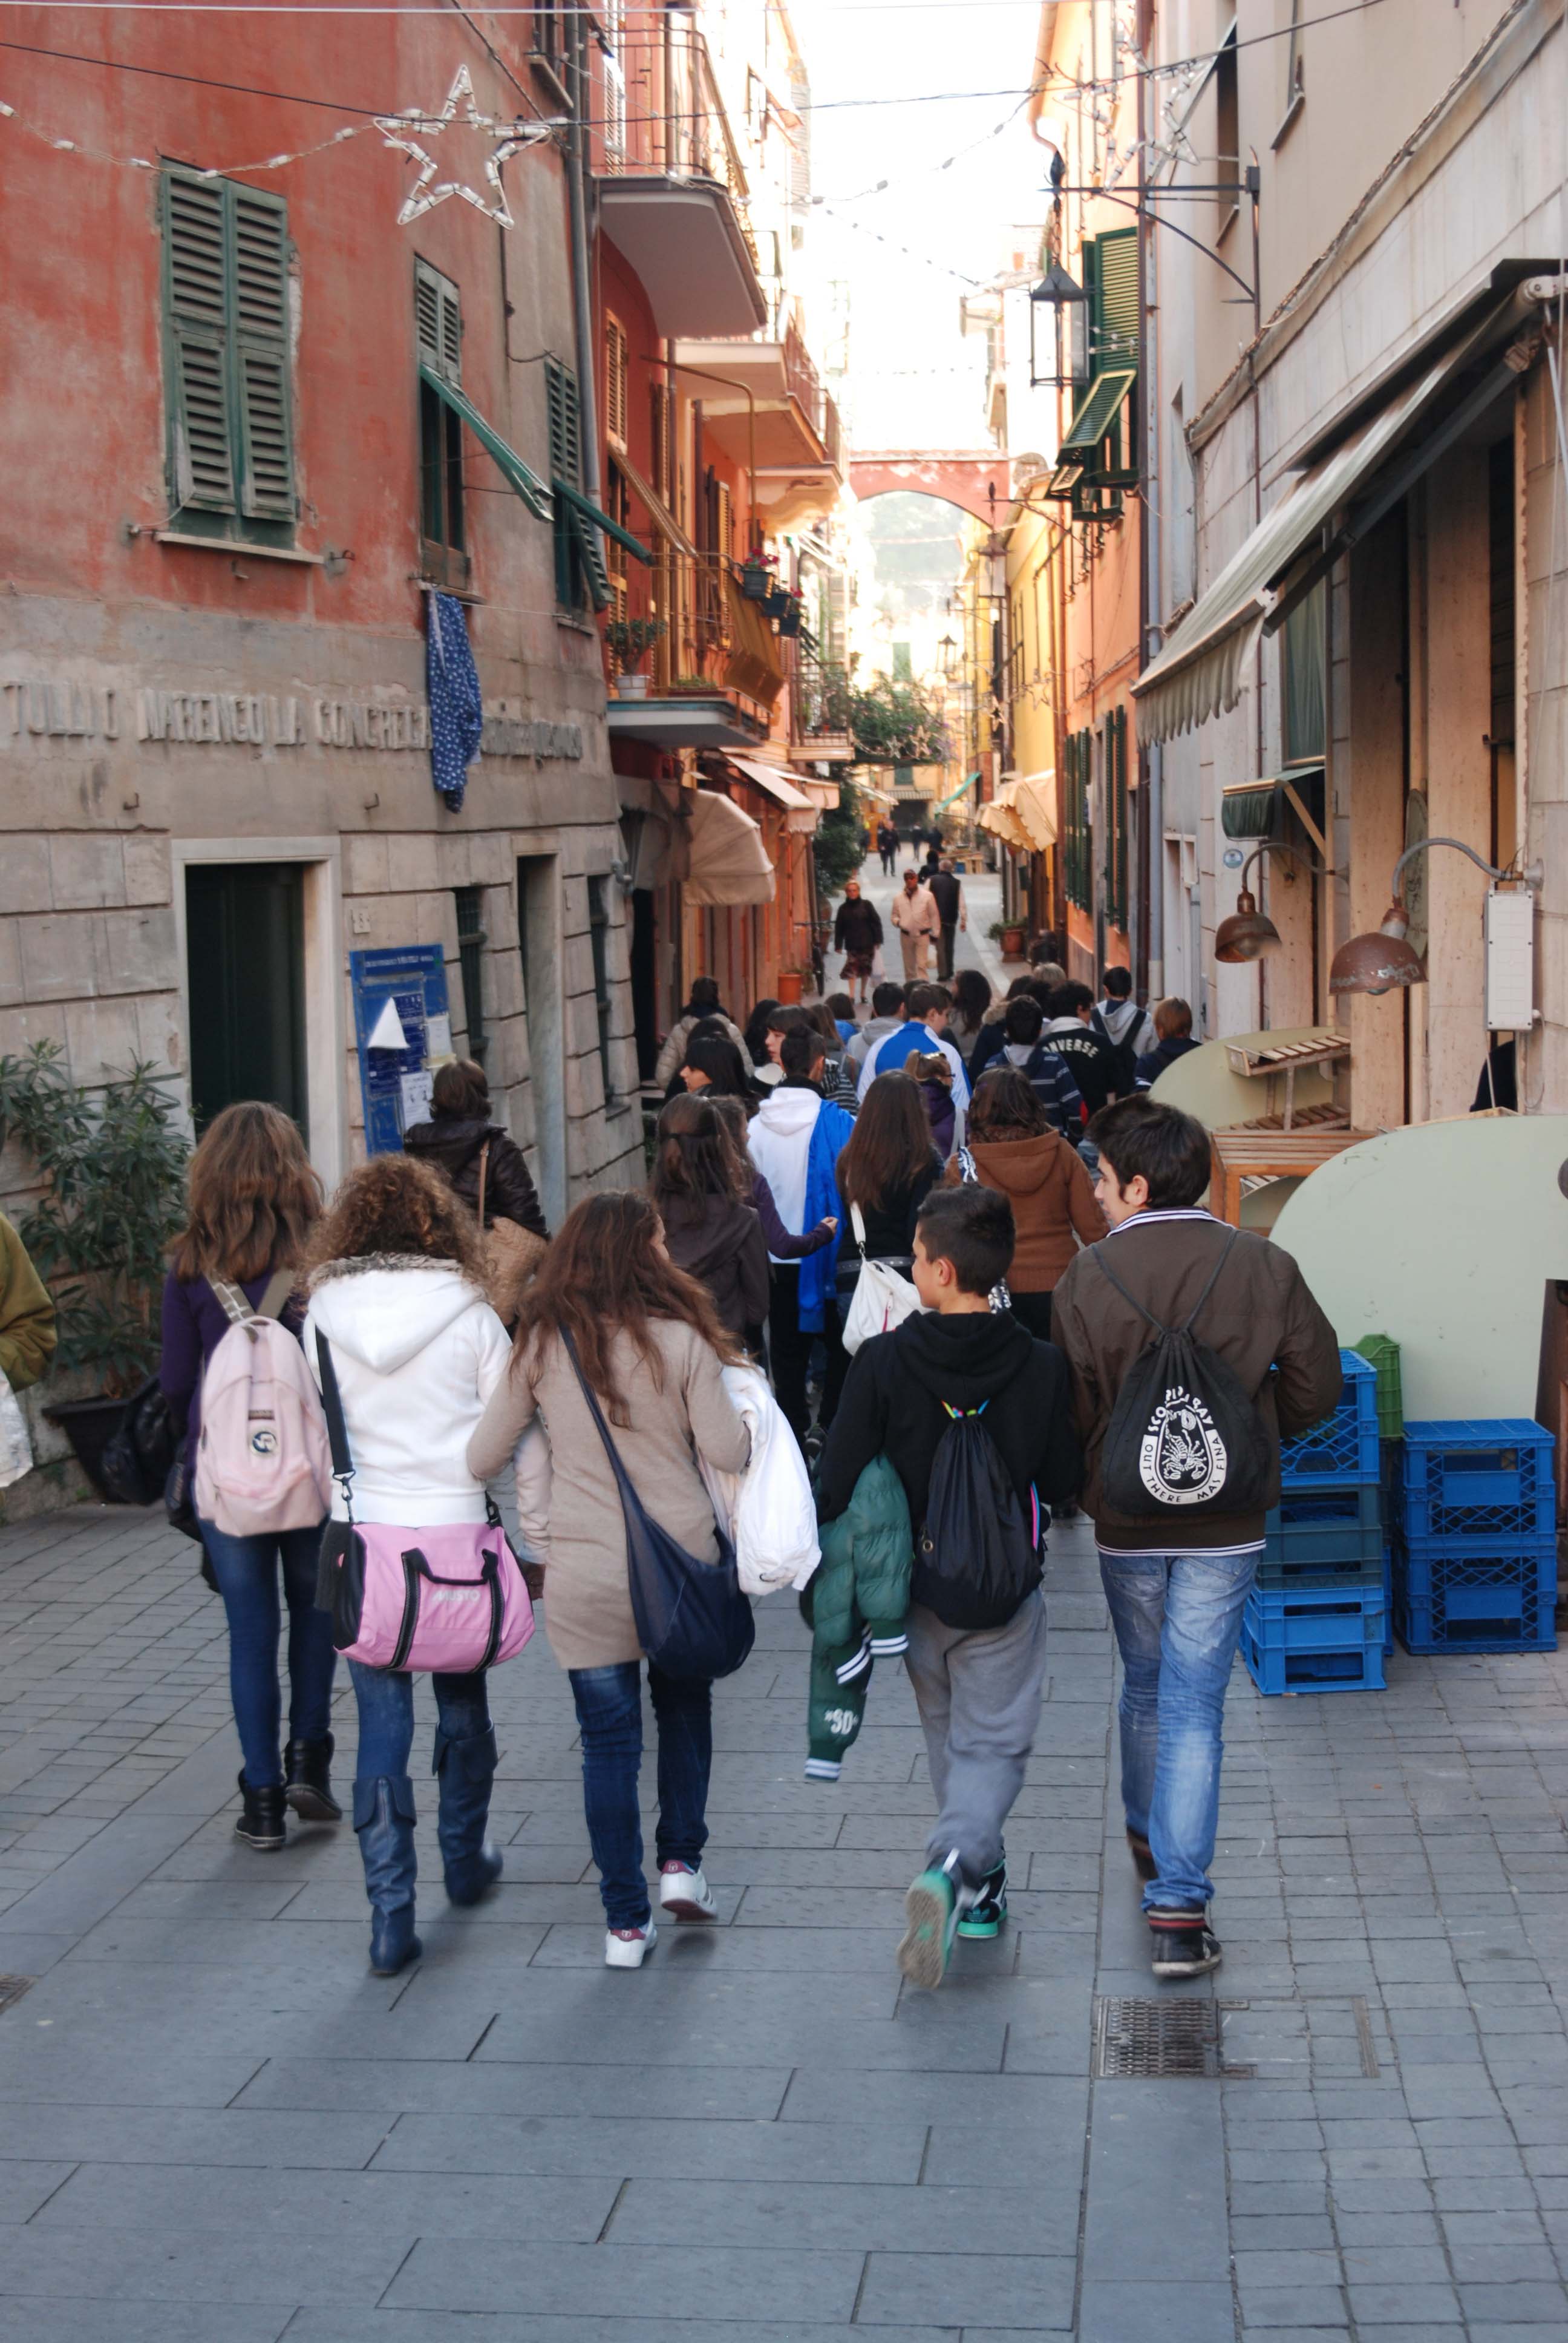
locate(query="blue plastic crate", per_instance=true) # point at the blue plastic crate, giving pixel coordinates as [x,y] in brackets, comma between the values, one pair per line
[1345,1446]
[1322,1618]
[1485,1478]
[1451,1594]
[1354,1668]
[1325,1529]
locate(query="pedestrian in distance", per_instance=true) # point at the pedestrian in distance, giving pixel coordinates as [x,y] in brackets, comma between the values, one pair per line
[1130,1028]
[948,894]
[975,1417]
[1014,1146]
[1092,1058]
[781,1245]
[1041,1066]
[858,934]
[252,1203]
[915,921]
[702,1003]
[888,1170]
[886,847]
[795,1140]
[397,1286]
[1177,1570]
[649,1346]
[710,1230]
[1173,1039]
[925,1027]
[458,1132]
[889,1009]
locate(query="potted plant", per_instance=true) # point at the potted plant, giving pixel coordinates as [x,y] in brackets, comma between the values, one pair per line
[791,983]
[790,616]
[756,577]
[114,1164]
[1008,934]
[631,639]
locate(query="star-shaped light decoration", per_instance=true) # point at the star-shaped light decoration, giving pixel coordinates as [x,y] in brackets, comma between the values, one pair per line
[407,130]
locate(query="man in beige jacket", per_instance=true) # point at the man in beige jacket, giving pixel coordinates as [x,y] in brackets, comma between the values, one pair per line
[914,916]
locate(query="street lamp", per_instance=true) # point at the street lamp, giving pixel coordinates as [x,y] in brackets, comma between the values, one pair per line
[1069,304]
[1379,962]
[949,649]
[1247,934]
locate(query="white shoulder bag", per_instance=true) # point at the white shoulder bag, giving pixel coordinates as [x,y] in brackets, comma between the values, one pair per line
[882,1299]
[15,1448]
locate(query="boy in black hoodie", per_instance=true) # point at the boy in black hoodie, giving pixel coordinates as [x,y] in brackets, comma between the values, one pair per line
[977,1690]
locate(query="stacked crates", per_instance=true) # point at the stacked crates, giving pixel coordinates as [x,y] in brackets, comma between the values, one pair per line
[1317,1616]
[1475,1560]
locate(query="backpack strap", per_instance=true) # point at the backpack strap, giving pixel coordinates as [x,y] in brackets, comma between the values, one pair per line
[231,1301]
[337,1429]
[274,1300]
[967,1171]
[1191,1320]
[1209,1288]
[484,1168]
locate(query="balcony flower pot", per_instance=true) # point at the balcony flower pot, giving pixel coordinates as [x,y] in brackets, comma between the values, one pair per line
[756,582]
[631,686]
[790,980]
[790,616]
[776,603]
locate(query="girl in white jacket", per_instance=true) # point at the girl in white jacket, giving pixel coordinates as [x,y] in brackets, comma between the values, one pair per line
[397,1290]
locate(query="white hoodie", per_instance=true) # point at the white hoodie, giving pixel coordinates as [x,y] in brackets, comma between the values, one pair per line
[779,1140]
[418,1351]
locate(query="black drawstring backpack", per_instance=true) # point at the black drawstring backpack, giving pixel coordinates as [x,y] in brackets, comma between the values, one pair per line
[1185,1438]
[976,1558]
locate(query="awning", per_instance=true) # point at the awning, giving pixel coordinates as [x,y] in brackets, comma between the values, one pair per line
[753,664]
[728,861]
[1023,813]
[1199,672]
[658,512]
[514,471]
[954,795]
[1101,405]
[585,508]
[778,786]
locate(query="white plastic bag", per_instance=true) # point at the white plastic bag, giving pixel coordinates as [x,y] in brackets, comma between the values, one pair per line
[768,1509]
[15,1448]
[882,1298]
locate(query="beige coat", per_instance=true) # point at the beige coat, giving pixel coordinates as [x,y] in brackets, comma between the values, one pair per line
[577,1529]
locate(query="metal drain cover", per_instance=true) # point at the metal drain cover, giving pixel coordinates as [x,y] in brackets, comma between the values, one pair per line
[12,1989]
[1151,2038]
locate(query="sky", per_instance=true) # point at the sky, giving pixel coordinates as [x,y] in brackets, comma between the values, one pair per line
[917,382]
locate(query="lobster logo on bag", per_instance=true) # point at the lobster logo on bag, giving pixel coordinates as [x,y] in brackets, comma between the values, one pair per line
[1181,1458]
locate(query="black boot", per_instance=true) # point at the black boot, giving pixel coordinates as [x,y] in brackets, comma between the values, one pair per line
[384,1818]
[261,1822]
[308,1766]
[466,1769]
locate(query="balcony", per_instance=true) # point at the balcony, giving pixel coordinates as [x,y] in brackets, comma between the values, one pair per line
[764,404]
[818,712]
[714,672]
[673,196]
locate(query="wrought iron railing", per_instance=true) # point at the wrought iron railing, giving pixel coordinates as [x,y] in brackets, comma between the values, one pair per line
[675,119]
[709,636]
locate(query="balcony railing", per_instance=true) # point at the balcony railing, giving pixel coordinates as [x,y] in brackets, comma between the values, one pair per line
[676,123]
[712,637]
[818,700]
[806,387]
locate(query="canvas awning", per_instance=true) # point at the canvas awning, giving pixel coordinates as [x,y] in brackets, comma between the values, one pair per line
[728,861]
[658,512]
[778,786]
[753,664]
[514,471]
[1023,813]
[1199,672]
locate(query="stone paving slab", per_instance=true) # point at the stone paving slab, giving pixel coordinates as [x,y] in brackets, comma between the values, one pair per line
[218,2124]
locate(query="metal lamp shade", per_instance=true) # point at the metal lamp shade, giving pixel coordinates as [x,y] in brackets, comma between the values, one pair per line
[1247,934]
[1377,962]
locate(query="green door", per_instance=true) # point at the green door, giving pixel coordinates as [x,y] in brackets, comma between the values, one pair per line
[245,953]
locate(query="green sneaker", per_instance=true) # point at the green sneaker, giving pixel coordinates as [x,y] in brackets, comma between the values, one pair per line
[933,1908]
[987,1915]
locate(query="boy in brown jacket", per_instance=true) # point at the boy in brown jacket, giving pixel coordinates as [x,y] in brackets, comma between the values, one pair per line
[1176,1584]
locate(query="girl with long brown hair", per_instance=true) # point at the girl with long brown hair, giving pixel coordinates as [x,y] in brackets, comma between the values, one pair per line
[651,1347]
[1014,1146]
[397,1286]
[887,1168]
[254,1200]
[710,1228]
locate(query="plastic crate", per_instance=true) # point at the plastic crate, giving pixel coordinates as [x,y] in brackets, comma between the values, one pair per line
[1485,1478]
[1354,1667]
[1324,1618]
[1381,1352]
[1450,1596]
[1326,1529]
[1344,1447]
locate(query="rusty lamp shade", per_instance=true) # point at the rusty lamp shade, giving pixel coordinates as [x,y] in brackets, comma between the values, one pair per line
[1377,962]
[1247,934]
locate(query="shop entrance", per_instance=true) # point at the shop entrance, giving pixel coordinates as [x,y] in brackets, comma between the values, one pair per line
[245,959]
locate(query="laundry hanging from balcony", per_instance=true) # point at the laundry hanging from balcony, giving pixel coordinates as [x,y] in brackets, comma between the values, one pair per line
[452,683]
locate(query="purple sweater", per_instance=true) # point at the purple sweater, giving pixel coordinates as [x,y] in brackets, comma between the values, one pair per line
[194,1324]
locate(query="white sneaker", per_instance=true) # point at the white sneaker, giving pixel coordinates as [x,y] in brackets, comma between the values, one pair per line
[684,1894]
[627,1948]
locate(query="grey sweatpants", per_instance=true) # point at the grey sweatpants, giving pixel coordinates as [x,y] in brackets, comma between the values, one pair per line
[978,1697]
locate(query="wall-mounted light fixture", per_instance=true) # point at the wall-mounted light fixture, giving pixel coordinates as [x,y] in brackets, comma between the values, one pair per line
[1249,934]
[1380,961]
[1068,361]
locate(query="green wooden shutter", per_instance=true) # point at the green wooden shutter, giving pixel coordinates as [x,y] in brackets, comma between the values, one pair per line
[258,228]
[1115,297]
[438,322]
[579,562]
[196,305]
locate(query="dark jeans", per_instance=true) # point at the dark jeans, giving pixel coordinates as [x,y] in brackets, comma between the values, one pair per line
[1033,1310]
[386,1717]
[946,941]
[609,1713]
[790,1352]
[245,1569]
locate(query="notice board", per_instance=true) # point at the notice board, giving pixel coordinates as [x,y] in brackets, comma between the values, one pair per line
[403,1030]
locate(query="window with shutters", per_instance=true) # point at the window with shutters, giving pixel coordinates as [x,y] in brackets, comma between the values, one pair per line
[1118,854]
[439,336]
[565,414]
[227,365]
[614,21]
[1078,861]
[1100,446]
[615,370]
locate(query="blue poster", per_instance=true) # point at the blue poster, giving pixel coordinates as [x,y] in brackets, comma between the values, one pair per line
[403,1028]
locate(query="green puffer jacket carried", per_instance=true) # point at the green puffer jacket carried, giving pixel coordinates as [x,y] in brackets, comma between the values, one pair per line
[857,1602]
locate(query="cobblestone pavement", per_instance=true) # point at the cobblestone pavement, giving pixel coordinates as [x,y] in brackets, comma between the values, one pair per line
[216,2125]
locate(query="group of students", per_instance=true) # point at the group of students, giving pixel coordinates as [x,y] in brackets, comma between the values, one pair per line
[775,1178]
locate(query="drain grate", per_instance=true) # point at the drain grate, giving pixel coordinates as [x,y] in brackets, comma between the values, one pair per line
[12,1989]
[1149,2038]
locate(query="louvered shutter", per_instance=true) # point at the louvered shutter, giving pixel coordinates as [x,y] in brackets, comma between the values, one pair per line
[615,370]
[438,322]
[196,299]
[1116,298]
[576,549]
[260,308]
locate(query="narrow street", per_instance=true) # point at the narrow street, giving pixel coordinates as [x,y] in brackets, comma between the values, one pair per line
[219,2125]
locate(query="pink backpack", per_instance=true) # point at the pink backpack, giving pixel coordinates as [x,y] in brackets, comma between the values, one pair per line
[263,1462]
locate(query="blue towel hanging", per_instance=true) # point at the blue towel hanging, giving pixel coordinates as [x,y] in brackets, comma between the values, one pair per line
[452,681]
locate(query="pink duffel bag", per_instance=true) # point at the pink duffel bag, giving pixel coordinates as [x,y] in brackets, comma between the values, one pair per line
[450,1599]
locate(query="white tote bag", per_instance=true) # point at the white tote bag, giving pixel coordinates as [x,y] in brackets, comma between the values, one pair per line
[882,1298]
[15,1448]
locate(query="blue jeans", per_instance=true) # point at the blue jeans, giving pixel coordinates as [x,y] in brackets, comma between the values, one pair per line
[609,1713]
[1178,1620]
[245,1569]
[386,1717]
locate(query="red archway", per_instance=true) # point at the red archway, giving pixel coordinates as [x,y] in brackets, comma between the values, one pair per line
[976,480]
